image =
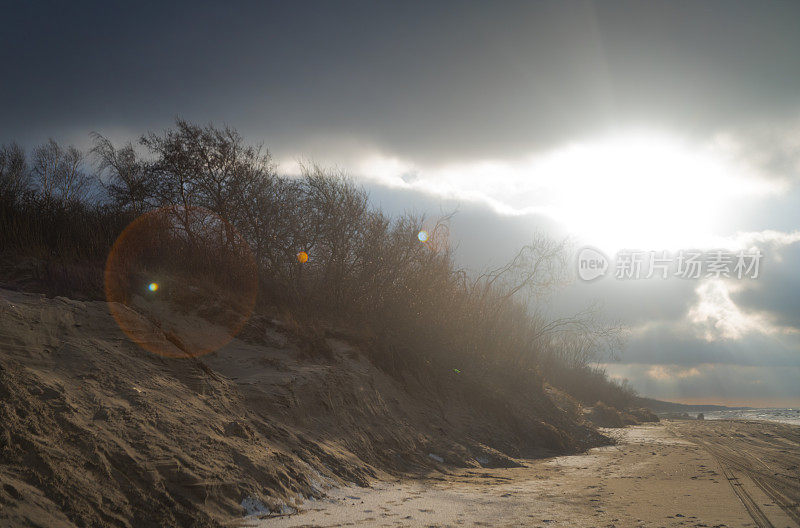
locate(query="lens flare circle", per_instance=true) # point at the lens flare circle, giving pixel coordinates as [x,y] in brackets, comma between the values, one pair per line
[423,236]
[302,257]
[191,317]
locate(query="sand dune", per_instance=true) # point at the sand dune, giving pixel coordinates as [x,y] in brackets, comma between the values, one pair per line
[97,431]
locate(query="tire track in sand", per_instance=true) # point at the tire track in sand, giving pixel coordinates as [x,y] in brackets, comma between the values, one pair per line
[737,464]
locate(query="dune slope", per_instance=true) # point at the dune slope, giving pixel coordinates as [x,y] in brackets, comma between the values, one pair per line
[96,431]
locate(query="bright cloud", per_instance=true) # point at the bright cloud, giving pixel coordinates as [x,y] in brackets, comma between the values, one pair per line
[718,317]
[666,372]
[626,191]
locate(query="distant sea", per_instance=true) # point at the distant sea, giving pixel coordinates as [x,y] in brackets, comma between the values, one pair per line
[790,416]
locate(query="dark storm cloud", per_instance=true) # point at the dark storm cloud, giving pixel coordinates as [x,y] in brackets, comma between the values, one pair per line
[776,291]
[632,302]
[481,237]
[773,147]
[428,80]
[725,384]
[666,344]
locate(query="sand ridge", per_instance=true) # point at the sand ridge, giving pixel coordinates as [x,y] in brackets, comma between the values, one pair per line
[97,431]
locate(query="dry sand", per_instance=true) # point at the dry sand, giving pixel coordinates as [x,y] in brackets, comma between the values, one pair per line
[95,431]
[679,473]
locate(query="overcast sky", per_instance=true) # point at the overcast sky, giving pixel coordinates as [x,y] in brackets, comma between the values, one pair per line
[658,126]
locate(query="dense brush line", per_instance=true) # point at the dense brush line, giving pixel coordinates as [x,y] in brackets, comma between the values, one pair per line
[365,269]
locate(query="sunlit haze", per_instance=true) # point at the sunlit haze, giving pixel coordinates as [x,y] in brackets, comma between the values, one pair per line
[655,127]
[633,190]
[410,263]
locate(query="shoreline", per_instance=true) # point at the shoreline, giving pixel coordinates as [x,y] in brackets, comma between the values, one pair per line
[676,473]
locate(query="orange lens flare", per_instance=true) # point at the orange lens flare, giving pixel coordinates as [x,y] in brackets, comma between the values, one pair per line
[208,282]
[302,257]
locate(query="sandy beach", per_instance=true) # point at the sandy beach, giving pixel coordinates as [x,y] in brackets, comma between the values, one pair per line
[259,428]
[676,473]
[400,264]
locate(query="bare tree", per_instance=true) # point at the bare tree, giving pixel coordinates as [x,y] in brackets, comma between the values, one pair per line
[205,167]
[14,175]
[59,173]
[46,159]
[537,269]
[336,209]
[271,219]
[72,184]
[124,176]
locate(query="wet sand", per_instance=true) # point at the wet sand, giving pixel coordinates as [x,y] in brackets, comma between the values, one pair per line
[677,473]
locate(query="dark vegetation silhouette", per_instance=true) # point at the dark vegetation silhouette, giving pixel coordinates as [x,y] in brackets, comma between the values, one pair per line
[417,311]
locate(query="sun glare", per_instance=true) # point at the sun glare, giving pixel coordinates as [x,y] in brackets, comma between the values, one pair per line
[644,192]
[634,190]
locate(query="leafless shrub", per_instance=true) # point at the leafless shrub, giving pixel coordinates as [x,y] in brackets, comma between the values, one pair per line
[424,315]
[58,172]
[207,167]
[123,175]
[14,175]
